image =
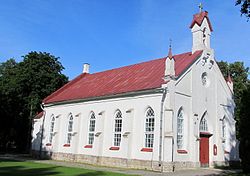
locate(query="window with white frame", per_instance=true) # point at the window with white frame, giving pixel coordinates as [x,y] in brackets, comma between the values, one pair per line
[70,128]
[223,128]
[149,128]
[52,126]
[180,128]
[118,128]
[203,125]
[91,128]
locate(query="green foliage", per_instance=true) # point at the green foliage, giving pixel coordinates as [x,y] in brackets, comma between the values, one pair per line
[244,130]
[245,7]
[242,112]
[239,76]
[22,87]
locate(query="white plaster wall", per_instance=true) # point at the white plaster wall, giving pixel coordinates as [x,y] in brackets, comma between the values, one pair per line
[133,112]
[183,99]
[216,100]
[196,99]
[36,134]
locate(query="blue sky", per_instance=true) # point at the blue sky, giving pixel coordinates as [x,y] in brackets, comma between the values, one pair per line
[114,33]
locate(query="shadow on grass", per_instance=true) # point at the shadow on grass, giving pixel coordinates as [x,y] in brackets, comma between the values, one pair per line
[95,173]
[238,174]
[10,167]
[23,171]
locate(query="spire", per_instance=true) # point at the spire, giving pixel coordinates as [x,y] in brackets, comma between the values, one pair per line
[170,55]
[170,64]
[230,82]
[229,79]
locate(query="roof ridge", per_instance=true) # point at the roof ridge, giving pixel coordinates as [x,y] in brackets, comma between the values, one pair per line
[128,65]
[138,63]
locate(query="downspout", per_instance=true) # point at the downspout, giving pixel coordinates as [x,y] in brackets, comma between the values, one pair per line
[173,169]
[41,142]
[161,128]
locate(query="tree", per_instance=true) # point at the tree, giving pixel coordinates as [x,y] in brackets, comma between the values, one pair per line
[239,74]
[23,86]
[8,100]
[244,130]
[245,7]
[242,112]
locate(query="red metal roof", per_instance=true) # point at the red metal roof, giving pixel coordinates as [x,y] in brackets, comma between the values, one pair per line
[39,115]
[199,17]
[142,76]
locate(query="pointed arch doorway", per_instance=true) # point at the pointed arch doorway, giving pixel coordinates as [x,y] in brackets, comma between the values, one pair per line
[204,141]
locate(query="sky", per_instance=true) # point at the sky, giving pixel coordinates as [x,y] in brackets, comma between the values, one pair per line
[113,33]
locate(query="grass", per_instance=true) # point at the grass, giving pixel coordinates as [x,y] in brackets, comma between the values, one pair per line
[27,168]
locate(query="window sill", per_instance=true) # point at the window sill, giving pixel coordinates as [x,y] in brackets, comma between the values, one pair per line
[66,145]
[88,146]
[48,144]
[114,148]
[147,150]
[182,151]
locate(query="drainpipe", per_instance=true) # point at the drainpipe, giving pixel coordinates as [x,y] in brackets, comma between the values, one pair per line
[161,129]
[41,143]
[173,169]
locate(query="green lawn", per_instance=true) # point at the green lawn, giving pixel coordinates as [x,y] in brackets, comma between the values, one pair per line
[26,168]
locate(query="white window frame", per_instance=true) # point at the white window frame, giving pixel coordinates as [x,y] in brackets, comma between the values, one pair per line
[70,128]
[203,127]
[92,124]
[180,128]
[149,128]
[52,127]
[223,129]
[117,129]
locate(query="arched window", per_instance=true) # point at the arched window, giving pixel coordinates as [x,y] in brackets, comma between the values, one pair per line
[52,125]
[203,125]
[223,128]
[149,128]
[70,128]
[180,128]
[118,128]
[91,128]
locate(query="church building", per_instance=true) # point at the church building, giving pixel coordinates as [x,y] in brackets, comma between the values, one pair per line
[165,114]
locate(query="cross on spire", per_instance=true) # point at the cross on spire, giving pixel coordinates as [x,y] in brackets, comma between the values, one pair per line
[170,49]
[200,7]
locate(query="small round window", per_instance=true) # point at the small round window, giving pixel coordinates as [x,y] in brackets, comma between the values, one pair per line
[204,79]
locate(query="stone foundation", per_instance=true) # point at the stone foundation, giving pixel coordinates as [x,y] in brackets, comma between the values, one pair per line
[120,162]
[41,155]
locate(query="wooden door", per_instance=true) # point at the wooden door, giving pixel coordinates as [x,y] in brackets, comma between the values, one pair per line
[204,151]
